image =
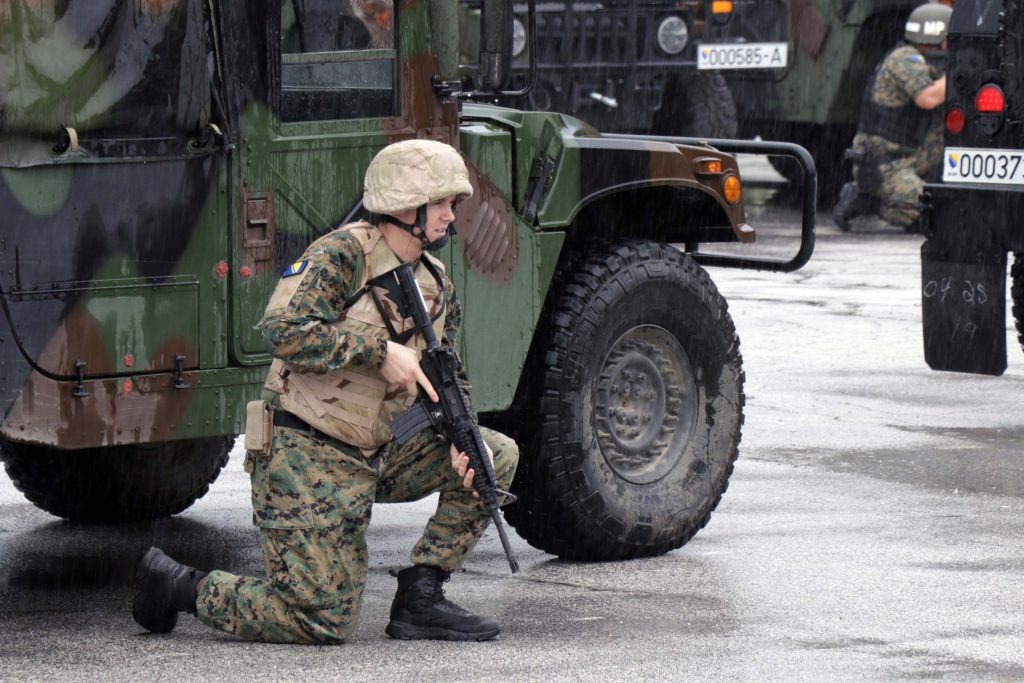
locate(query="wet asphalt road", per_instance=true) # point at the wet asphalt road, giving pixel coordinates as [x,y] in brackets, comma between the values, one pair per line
[871,531]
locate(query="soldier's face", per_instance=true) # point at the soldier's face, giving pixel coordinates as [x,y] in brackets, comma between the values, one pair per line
[440,214]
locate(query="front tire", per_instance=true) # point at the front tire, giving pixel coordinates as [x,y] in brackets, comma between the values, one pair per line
[116,483]
[633,424]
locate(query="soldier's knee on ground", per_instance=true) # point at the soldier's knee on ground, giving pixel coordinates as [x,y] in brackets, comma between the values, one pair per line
[256,609]
[330,626]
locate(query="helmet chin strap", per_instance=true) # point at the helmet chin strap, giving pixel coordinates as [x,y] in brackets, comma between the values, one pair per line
[421,223]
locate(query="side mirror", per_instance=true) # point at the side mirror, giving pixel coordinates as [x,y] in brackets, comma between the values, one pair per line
[495,44]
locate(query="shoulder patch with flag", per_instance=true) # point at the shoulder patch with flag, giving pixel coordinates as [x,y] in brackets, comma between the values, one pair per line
[296,268]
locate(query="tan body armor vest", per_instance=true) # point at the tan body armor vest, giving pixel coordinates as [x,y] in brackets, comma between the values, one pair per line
[355,405]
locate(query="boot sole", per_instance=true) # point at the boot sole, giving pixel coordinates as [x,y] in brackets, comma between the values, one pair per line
[403,631]
[841,220]
[142,612]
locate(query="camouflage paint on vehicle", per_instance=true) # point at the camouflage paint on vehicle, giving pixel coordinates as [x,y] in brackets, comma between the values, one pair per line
[109,294]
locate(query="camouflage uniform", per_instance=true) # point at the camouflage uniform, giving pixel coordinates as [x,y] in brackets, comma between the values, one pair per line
[312,494]
[901,76]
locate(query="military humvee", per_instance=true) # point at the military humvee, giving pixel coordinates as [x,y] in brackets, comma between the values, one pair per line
[163,161]
[654,66]
[970,218]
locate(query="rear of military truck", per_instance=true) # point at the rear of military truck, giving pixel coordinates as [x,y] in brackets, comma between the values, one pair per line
[111,188]
[971,217]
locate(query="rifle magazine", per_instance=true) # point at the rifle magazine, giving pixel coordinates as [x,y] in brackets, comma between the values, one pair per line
[410,423]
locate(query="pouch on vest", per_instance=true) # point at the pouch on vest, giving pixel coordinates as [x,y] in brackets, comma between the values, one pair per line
[258,428]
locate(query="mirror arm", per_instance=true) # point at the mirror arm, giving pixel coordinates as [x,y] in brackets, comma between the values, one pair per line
[452,90]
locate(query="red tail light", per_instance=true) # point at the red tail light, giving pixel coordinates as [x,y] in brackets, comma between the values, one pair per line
[955,120]
[990,100]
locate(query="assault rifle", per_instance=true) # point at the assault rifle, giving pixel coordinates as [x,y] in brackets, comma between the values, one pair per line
[452,414]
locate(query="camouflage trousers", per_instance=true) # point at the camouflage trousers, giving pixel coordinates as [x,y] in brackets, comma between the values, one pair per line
[312,502]
[900,179]
[899,191]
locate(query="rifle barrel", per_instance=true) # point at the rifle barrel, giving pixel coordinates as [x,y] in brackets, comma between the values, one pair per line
[513,563]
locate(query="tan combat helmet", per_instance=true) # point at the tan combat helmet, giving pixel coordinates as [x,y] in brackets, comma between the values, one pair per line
[409,174]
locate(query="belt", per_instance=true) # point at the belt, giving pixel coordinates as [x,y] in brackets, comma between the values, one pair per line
[283,418]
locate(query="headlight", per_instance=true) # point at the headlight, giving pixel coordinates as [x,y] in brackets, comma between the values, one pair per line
[518,37]
[672,35]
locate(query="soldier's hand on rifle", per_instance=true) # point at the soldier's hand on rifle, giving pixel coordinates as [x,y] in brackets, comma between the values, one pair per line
[402,366]
[460,463]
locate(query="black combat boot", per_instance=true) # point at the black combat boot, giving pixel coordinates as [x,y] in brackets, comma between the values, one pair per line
[851,203]
[163,588]
[420,610]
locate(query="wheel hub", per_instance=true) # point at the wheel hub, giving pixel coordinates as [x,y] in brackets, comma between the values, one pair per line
[645,404]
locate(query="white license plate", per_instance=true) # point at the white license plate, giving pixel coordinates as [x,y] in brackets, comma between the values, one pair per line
[742,56]
[989,166]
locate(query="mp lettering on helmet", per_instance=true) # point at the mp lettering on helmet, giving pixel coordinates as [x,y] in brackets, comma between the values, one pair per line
[927,24]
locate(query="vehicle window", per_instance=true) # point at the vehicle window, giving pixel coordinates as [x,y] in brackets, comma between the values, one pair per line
[337,59]
[119,66]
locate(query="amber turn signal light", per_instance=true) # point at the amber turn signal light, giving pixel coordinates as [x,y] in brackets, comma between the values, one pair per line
[721,7]
[732,188]
[708,165]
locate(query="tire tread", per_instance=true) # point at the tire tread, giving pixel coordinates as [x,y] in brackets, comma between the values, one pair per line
[551,513]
